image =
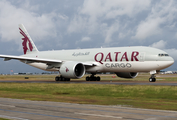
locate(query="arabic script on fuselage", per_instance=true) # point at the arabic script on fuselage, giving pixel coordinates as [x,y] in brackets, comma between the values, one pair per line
[80,54]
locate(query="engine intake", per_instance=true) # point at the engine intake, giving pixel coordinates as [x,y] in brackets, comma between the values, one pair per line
[127,74]
[72,70]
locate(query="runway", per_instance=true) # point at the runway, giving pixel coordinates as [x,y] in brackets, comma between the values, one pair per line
[163,83]
[41,110]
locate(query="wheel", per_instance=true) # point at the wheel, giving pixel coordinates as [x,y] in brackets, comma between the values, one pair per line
[98,78]
[62,79]
[67,79]
[57,78]
[87,78]
[154,79]
[150,79]
[91,78]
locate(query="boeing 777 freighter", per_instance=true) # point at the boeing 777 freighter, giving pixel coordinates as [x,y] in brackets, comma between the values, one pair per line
[125,62]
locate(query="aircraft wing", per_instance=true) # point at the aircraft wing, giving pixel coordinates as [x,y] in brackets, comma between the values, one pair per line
[9,57]
[31,59]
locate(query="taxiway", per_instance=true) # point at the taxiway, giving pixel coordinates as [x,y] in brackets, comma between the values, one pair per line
[118,82]
[42,110]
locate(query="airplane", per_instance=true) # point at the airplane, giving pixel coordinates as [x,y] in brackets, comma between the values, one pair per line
[125,62]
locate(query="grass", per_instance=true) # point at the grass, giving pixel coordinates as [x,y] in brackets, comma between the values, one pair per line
[153,97]
[3,119]
[31,77]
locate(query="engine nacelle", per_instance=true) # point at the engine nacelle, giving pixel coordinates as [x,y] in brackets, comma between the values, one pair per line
[127,74]
[72,70]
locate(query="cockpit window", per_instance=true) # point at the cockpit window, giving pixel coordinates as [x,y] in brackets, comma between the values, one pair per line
[163,55]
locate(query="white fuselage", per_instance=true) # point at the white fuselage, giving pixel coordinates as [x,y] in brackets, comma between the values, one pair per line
[118,59]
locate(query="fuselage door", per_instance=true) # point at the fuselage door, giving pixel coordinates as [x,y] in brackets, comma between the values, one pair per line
[142,57]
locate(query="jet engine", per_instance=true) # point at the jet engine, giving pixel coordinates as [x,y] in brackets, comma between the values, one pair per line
[127,74]
[72,70]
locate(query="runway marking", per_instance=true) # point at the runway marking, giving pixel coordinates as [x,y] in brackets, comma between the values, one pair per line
[164,116]
[4,116]
[121,107]
[97,115]
[7,105]
[41,114]
[160,79]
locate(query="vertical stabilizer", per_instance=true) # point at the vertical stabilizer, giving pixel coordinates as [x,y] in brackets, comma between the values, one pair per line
[27,43]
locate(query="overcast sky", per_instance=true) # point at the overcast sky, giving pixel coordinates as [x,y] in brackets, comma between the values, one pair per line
[72,24]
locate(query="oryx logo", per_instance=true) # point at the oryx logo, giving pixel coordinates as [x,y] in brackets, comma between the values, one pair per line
[26,42]
[67,69]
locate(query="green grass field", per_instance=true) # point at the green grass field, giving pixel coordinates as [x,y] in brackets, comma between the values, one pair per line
[3,119]
[152,97]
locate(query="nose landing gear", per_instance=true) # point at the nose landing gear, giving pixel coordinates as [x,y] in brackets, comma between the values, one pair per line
[152,78]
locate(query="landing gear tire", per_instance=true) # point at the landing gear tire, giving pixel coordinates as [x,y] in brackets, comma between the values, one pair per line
[92,78]
[152,78]
[57,78]
[61,78]
[67,79]
[98,78]
[87,78]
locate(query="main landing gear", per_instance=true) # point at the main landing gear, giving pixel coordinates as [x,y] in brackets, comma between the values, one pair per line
[93,78]
[57,78]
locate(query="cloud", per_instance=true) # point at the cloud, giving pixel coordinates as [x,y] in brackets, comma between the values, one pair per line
[96,13]
[110,31]
[85,39]
[25,4]
[113,8]
[160,44]
[40,26]
[161,16]
[77,24]
[148,28]
[172,52]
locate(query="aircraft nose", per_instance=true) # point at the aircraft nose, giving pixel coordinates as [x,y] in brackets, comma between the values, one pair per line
[166,62]
[172,60]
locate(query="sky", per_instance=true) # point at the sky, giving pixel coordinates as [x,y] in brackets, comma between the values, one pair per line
[73,24]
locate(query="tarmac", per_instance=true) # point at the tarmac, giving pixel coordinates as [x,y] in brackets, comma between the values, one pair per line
[41,110]
[118,82]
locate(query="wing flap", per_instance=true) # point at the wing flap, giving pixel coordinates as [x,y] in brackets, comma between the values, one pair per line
[6,59]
